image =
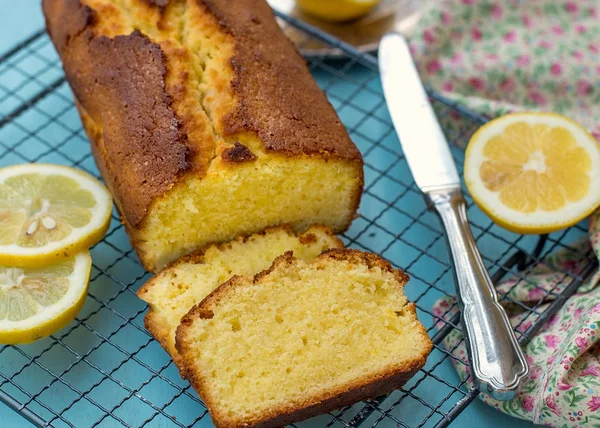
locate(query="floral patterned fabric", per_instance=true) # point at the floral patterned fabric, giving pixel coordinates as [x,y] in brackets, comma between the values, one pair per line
[503,56]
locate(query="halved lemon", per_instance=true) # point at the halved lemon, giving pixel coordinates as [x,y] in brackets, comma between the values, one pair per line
[534,172]
[36,302]
[337,10]
[48,212]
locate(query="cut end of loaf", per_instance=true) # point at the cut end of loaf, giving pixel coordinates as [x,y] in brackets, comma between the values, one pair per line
[302,338]
[226,202]
[183,284]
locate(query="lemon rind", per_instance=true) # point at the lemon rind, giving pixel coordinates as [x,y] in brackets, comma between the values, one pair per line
[56,316]
[539,221]
[79,238]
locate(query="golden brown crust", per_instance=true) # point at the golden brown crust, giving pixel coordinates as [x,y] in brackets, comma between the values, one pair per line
[278,99]
[238,154]
[154,324]
[119,83]
[65,20]
[160,332]
[380,384]
[159,3]
[136,91]
[370,259]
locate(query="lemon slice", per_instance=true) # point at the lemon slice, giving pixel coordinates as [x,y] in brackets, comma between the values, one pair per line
[337,10]
[48,212]
[36,302]
[534,172]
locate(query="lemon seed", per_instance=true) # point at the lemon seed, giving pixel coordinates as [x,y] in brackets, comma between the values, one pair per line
[49,222]
[32,228]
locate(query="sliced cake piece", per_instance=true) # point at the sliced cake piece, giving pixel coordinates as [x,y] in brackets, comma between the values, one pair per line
[302,339]
[186,282]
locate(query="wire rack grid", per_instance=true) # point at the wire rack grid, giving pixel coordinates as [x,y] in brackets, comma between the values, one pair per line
[105,370]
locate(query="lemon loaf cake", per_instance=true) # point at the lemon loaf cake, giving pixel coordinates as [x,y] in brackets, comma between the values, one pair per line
[300,339]
[204,121]
[172,292]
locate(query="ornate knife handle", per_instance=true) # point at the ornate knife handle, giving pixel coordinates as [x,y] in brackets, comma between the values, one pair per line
[497,361]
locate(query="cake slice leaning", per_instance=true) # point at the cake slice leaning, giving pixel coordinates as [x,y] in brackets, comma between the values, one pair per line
[184,283]
[301,339]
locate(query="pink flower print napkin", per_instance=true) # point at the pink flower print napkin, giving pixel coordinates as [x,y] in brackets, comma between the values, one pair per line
[511,55]
[563,388]
[503,56]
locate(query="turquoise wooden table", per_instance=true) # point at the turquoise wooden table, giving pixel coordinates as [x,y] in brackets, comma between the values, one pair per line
[18,20]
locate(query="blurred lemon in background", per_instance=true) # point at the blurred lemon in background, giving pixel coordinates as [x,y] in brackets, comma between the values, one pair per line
[337,10]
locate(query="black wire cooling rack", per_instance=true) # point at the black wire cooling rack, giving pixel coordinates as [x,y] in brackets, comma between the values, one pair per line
[104,369]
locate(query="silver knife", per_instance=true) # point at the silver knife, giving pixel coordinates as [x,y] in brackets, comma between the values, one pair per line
[497,361]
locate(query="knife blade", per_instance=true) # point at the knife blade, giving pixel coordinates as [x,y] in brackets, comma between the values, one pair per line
[497,362]
[423,141]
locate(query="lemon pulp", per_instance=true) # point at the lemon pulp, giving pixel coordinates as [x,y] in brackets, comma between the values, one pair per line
[41,209]
[49,211]
[534,172]
[36,302]
[540,167]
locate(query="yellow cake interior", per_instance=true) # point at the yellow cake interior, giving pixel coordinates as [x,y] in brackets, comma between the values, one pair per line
[267,192]
[302,331]
[176,289]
